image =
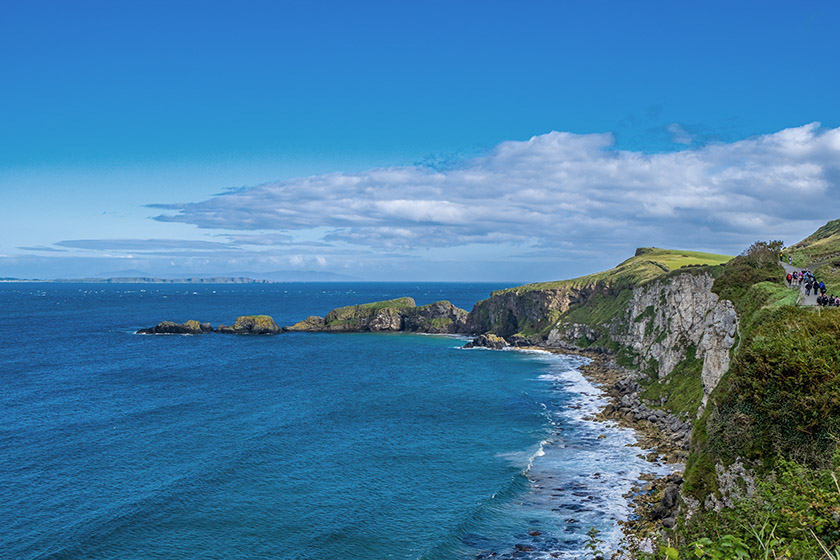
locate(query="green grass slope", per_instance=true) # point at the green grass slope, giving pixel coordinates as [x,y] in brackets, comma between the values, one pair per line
[820,252]
[647,264]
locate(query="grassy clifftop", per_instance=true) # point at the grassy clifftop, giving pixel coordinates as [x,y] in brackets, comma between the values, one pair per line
[647,264]
[533,310]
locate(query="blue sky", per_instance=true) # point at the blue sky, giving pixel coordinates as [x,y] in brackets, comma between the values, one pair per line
[395,141]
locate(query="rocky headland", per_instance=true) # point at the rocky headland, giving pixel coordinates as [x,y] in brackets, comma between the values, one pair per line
[396,315]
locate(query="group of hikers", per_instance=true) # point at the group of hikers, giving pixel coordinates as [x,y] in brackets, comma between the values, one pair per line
[806,278]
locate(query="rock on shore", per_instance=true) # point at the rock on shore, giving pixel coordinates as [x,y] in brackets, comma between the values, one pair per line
[487,340]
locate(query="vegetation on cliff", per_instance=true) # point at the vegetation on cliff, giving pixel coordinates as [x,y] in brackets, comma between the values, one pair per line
[251,324]
[245,324]
[774,419]
[533,310]
[169,327]
[647,264]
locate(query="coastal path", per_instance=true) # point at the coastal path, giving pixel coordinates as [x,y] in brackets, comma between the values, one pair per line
[803,299]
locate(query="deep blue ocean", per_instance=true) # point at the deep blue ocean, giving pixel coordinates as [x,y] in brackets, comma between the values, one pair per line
[307,445]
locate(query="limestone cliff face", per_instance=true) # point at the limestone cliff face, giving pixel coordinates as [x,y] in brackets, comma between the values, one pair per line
[666,318]
[662,322]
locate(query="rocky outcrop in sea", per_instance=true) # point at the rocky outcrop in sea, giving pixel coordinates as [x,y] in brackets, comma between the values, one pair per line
[396,315]
[245,324]
[170,327]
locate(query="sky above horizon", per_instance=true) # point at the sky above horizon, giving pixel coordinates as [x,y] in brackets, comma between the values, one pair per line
[491,141]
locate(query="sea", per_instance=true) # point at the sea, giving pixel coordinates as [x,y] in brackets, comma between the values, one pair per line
[115,445]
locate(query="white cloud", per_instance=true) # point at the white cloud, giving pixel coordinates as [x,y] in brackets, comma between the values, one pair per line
[555,189]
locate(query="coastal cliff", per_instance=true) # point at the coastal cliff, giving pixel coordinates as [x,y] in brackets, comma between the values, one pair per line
[656,312]
[717,357]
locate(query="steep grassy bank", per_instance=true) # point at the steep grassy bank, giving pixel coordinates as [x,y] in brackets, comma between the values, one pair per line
[820,252]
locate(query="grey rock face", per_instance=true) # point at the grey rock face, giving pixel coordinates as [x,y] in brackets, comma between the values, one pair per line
[664,318]
[735,483]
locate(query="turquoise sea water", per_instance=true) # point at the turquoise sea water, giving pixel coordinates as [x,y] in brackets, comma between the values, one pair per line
[345,446]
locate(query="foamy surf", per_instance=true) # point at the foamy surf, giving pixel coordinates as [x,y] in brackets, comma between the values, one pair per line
[578,478]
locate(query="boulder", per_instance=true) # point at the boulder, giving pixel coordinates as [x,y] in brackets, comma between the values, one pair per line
[487,340]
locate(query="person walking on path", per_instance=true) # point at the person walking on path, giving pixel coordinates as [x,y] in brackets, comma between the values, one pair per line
[799,279]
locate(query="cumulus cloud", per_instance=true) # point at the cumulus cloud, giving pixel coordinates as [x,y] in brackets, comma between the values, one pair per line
[557,189]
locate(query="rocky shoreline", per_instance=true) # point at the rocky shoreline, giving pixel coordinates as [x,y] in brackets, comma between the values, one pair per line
[665,434]
[655,501]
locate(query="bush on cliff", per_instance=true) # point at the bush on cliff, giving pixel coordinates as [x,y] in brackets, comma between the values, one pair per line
[758,263]
[783,394]
[795,513]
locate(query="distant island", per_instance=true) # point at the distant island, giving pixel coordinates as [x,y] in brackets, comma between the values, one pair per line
[148,280]
[276,277]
